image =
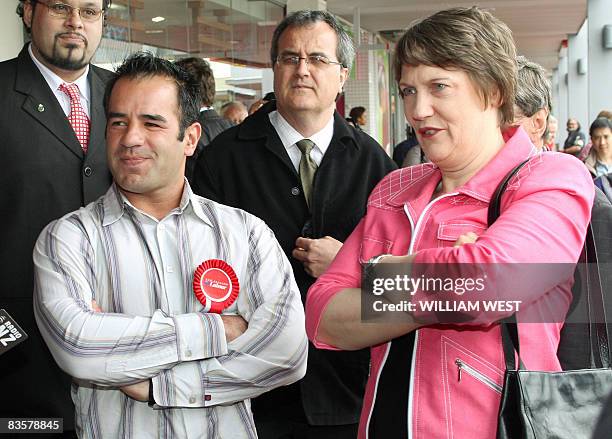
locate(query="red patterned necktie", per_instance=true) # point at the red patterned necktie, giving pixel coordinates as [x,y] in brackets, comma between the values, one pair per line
[77,117]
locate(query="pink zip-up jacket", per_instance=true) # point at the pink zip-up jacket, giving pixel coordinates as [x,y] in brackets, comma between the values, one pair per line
[457,370]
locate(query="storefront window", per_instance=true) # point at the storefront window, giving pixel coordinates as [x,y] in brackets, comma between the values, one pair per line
[234,35]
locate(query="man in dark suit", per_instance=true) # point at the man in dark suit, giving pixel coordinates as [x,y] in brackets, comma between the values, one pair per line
[212,123]
[296,164]
[54,160]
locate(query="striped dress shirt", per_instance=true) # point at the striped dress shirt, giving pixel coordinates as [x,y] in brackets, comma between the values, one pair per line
[139,271]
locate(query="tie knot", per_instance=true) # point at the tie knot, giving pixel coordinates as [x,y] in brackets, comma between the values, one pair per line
[72,90]
[305,146]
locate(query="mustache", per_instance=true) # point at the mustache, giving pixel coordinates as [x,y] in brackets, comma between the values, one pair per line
[72,34]
[130,155]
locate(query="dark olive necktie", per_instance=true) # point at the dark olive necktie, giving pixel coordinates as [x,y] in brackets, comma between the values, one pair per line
[307,168]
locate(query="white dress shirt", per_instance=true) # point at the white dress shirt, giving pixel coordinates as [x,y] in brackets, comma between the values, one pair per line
[55,81]
[290,136]
[140,271]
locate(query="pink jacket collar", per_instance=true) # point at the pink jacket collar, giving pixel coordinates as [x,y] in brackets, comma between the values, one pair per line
[417,183]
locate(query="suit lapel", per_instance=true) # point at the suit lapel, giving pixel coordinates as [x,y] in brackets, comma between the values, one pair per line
[96,110]
[274,144]
[41,103]
[258,125]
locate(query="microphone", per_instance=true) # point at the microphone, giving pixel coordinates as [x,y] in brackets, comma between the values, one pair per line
[11,333]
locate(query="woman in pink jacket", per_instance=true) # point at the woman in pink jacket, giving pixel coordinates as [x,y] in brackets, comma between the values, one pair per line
[456,73]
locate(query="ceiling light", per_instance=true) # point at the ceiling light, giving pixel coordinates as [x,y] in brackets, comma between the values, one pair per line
[157,19]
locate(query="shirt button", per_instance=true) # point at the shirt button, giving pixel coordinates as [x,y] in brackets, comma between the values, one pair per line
[87,171]
[192,400]
[161,227]
[188,354]
[295,191]
[170,269]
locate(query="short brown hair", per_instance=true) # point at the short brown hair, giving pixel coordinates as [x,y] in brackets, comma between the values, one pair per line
[201,71]
[469,39]
[605,113]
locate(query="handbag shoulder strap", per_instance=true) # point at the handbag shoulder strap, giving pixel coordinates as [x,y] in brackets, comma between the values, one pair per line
[495,204]
[510,340]
[598,328]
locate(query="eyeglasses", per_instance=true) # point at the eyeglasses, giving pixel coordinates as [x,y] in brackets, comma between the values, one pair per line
[317,61]
[62,10]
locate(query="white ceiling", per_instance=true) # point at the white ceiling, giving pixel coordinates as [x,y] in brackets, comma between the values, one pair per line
[539,26]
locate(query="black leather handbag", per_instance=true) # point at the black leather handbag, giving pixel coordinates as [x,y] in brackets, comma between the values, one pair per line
[559,405]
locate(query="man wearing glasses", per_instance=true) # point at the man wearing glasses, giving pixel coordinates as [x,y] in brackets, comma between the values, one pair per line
[54,161]
[296,164]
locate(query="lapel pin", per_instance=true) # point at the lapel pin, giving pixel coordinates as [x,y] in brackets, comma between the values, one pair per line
[41,108]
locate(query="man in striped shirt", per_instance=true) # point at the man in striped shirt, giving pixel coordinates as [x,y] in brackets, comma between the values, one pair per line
[113,286]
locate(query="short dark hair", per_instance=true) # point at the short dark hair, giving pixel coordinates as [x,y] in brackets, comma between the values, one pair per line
[468,39]
[143,65]
[19,10]
[345,51]
[356,113]
[201,71]
[600,122]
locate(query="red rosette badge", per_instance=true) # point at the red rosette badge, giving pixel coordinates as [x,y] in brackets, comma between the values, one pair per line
[215,284]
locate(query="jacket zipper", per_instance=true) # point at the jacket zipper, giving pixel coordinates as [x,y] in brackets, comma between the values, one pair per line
[464,367]
[415,229]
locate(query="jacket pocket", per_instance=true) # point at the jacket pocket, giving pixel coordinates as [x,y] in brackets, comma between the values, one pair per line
[371,247]
[449,231]
[463,367]
[472,382]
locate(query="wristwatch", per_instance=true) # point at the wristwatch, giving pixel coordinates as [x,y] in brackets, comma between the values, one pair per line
[368,266]
[376,259]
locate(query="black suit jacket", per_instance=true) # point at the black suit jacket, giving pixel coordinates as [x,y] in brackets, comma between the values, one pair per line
[212,126]
[44,175]
[248,167]
[574,349]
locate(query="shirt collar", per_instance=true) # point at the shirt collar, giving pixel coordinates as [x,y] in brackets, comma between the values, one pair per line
[290,136]
[115,204]
[55,81]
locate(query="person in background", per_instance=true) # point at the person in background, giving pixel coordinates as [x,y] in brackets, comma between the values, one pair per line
[296,164]
[124,292]
[408,152]
[576,140]
[550,137]
[52,123]
[533,90]
[532,100]
[456,73]
[584,153]
[235,112]
[212,124]
[599,159]
[605,113]
[357,117]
